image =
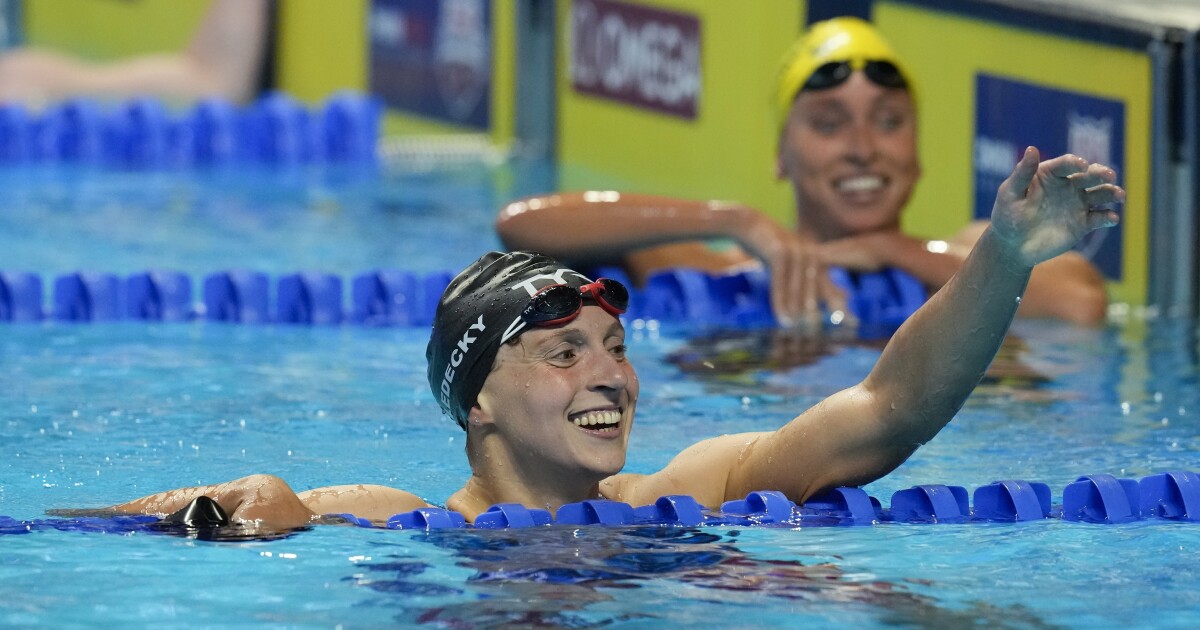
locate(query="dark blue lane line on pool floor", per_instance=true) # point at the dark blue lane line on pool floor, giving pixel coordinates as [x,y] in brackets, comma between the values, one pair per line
[1092,499]
[880,301]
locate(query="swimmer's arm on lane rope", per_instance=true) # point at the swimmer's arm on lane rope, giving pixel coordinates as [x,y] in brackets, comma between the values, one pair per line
[372,502]
[595,228]
[260,500]
[645,233]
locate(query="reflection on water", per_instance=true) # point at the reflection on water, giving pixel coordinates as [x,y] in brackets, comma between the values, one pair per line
[731,354]
[573,578]
[734,356]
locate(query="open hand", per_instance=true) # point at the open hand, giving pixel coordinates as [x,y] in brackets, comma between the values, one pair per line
[1042,210]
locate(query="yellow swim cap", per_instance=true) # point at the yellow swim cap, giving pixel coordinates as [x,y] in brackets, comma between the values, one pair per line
[848,39]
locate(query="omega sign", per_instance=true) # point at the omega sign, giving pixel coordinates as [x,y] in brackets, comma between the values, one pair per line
[637,55]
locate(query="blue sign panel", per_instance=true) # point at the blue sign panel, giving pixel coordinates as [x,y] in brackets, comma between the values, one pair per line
[1011,115]
[433,58]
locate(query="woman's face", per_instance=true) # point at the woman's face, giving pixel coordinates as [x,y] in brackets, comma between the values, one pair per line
[851,155]
[563,398]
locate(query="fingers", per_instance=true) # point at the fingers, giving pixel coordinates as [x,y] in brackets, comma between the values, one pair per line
[1103,194]
[804,296]
[835,302]
[1095,175]
[795,291]
[1065,166]
[1023,174]
[782,291]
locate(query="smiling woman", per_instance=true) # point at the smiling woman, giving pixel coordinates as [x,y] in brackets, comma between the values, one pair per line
[848,146]
[528,356]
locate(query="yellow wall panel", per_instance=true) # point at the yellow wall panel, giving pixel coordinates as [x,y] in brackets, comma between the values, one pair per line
[321,47]
[726,152]
[104,29]
[945,52]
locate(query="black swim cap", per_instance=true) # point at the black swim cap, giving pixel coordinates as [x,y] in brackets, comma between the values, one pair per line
[480,309]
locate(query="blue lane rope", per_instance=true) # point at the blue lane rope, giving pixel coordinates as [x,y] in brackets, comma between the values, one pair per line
[1102,499]
[881,301]
[141,133]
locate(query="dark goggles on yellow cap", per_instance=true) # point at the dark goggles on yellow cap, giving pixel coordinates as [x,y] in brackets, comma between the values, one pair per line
[832,74]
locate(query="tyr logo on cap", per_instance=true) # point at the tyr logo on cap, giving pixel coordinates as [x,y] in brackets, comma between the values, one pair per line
[533,283]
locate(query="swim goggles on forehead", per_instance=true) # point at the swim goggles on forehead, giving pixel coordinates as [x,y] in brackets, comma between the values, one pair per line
[558,303]
[832,74]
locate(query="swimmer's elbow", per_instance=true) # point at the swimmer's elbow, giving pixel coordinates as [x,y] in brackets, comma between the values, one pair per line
[515,226]
[508,222]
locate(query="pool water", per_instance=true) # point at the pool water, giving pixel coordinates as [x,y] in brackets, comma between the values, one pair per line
[93,414]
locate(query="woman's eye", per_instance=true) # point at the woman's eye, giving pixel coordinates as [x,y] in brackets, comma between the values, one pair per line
[618,351]
[566,354]
[891,121]
[825,126]
[889,124]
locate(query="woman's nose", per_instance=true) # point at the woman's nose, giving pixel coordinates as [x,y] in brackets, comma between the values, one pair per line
[862,143]
[609,372]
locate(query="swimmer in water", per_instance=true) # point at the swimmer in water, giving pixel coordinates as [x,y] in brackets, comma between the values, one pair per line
[846,120]
[528,357]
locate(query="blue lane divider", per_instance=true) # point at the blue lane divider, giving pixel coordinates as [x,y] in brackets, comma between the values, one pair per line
[142,133]
[675,509]
[87,296]
[1174,495]
[1012,500]
[381,298]
[20,297]
[236,296]
[762,508]
[842,506]
[931,503]
[209,134]
[1105,499]
[515,515]
[595,512]
[71,131]
[309,298]
[427,518]
[679,295]
[159,296]
[136,134]
[882,300]
[104,525]
[392,297]
[16,135]
[1102,499]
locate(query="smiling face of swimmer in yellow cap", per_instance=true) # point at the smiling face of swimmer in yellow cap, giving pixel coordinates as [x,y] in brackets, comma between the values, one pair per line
[847,122]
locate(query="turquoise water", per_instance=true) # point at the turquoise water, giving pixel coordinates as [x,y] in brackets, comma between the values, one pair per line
[97,413]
